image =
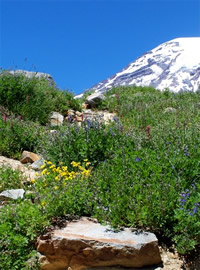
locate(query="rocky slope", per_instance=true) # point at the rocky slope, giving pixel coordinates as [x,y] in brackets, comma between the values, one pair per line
[174,64]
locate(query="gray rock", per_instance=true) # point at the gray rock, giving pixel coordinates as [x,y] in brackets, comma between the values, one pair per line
[37,164]
[170,110]
[94,99]
[53,131]
[12,194]
[85,244]
[56,119]
[32,74]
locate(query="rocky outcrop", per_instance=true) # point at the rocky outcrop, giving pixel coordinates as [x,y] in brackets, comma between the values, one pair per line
[89,115]
[32,74]
[17,165]
[85,243]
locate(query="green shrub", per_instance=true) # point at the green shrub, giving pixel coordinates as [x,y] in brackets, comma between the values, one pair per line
[10,179]
[93,141]
[62,191]
[187,213]
[145,171]
[19,226]
[33,98]
[17,135]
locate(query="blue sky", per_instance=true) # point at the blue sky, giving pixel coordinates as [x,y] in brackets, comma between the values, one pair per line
[81,42]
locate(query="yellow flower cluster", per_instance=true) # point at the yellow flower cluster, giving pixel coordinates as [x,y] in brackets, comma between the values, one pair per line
[61,174]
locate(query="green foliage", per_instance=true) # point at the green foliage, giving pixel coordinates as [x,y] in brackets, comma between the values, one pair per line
[19,225]
[33,98]
[145,170]
[187,213]
[62,191]
[20,135]
[10,179]
[93,141]
[142,188]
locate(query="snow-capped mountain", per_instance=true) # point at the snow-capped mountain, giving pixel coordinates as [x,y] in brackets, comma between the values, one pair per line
[174,64]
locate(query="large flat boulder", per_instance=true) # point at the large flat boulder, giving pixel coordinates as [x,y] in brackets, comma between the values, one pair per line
[85,244]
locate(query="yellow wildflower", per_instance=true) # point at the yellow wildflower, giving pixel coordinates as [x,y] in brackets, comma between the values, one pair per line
[85,160]
[43,166]
[86,173]
[81,168]
[64,168]
[58,169]
[57,178]
[75,164]
[43,203]
[32,181]
[52,166]
[56,187]
[63,174]
[49,162]
[44,171]
[87,164]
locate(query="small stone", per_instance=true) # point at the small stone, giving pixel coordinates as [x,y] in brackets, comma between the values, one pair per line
[79,113]
[71,112]
[37,164]
[84,106]
[94,99]
[170,110]
[56,119]
[53,131]
[79,119]
[29,157]
[12,194]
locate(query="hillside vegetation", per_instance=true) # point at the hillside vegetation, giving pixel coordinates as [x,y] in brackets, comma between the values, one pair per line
[142,170]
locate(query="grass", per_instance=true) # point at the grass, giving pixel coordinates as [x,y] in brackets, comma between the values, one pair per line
[140,171]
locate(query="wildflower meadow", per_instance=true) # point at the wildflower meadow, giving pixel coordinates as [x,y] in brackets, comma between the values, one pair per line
[141,170]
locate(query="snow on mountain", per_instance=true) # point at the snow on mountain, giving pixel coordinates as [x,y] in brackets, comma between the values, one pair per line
[174,64]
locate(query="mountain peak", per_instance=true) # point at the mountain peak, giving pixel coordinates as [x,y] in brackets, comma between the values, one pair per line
[174,64]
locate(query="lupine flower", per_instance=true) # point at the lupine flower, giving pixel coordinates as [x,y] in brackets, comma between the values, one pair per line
[186,151]
[137,159]
[115,119]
